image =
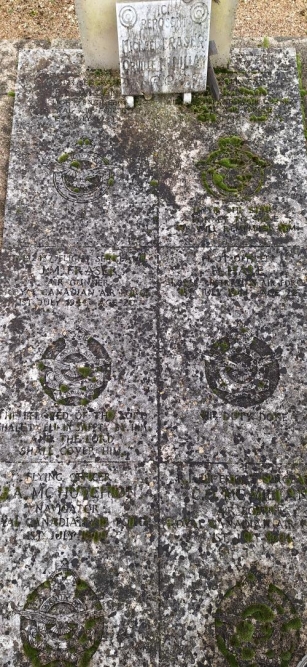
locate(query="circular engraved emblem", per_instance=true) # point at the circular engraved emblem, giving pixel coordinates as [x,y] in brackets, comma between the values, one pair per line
[74,373]
[257,624]
[232,171]
[62,622]
[242,369]
[128,16]
[199,12]
[81,175]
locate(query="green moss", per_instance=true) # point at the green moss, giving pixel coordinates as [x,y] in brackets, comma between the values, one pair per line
[64,387]
[111,181]
[259,119]
[247,536]
[222,345]
[231,659]
[41,366]
[205,117]
[266,479]
[154,183]
[81,586]
[271,537]
[90,623]
[5,494]
[85,371]
[230,141]
[262,91]
[293,624]
[32,654]
[229,170]
[265,43]
[87,655]
[277,495]
[245,631]
[106,80]
[11,93]
[84,401]
[230,592]
[110,256]
[275,589]
[76,164]
[246,91]
[284,228]
[247,653]
[63,158]
[110,415]
[260,612]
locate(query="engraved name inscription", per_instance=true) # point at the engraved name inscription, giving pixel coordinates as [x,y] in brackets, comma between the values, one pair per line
[163,46]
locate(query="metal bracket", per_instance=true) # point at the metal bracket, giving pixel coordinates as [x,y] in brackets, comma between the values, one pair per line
[130,101]
[187,98]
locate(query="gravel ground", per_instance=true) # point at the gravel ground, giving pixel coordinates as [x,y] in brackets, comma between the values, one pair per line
[50,19]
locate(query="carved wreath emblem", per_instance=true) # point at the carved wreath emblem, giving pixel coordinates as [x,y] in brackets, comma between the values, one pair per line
[257,624]
[81,175]
[62,622]
[74,373]
[233,171]
[242,369]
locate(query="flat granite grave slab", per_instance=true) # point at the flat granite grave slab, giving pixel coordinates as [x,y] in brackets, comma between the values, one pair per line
[79,564]
[242,181]
[153,376]
[234,558]
[83,169]
[79,340]
[70,180]
[234,368]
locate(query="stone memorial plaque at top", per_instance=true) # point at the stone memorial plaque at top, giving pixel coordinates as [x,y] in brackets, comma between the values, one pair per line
[163,46]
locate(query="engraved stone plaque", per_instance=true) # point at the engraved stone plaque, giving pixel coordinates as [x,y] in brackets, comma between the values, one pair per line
[153,385]
[163,46]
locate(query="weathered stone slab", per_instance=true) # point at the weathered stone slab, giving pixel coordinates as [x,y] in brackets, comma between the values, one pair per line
[72,178]
[237,175]
[241,526]
[79,552]
[233,368]
[79,357]
[163,46]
